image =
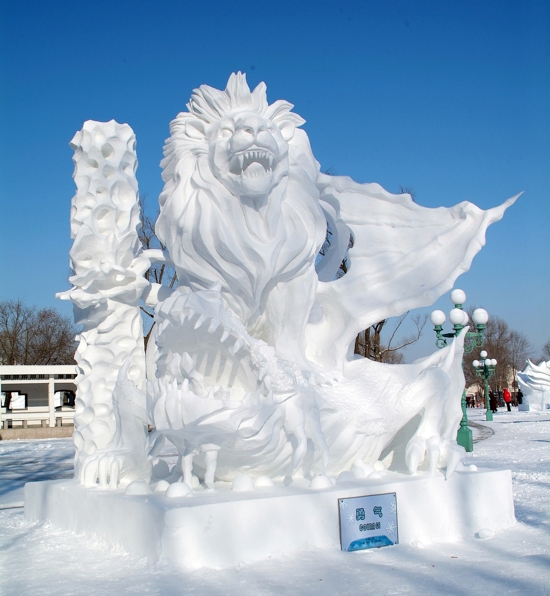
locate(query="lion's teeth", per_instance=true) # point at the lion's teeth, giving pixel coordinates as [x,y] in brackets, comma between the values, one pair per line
[200,321]
[241,160]
[213,325]
[237,346]
[270,159]
[224,336]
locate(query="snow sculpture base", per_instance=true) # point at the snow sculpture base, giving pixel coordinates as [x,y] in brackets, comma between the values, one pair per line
[224,528]
[534,407]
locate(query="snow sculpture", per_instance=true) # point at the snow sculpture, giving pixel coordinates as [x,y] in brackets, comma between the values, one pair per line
[534,382]
[107,283]
[248,368]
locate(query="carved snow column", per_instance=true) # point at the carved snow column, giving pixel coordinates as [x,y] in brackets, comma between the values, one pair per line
[108,278]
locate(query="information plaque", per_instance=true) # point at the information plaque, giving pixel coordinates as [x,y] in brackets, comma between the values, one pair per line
[368,522]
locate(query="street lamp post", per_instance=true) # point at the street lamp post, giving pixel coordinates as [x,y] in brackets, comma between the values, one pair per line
[474,339]
[485,368]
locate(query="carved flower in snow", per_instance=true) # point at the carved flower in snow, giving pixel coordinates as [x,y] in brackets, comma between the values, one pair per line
[109,281]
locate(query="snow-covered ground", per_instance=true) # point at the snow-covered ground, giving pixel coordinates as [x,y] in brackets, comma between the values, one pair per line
[38,559]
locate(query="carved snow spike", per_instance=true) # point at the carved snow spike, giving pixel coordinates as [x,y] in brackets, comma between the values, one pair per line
[224,336]
[200,321]
[237,346]
[214,324]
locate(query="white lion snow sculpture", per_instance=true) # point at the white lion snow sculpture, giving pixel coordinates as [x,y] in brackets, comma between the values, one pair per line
[250,369]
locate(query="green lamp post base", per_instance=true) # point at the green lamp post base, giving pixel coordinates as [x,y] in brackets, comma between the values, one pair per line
[465,438]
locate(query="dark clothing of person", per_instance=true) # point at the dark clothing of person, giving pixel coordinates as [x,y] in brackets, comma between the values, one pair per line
[493,402]
[519,397]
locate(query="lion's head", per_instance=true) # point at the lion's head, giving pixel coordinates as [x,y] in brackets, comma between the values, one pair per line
[248,154]
[245,139]
[240,204]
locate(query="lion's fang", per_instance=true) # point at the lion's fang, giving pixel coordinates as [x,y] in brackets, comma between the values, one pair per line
[224,336]
[238,345]
[214,324]
[200,321]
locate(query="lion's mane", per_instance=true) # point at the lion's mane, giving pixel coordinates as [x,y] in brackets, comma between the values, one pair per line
[212,236]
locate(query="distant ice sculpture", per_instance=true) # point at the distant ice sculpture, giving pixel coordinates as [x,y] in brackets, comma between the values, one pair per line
[250,368]
[534,383]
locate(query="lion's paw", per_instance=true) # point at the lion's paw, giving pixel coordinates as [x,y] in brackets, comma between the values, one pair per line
[114,468]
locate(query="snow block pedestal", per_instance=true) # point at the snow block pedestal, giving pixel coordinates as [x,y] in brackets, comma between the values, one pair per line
[223,528]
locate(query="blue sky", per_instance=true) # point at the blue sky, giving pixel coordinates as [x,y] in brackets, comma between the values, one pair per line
[450,99]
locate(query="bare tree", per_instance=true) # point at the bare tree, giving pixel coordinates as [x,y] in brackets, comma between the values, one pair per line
[369,342]
[408,191]
[158,273]
[519,349]
[546,351]
[344,265]
[35,336]
[509,347]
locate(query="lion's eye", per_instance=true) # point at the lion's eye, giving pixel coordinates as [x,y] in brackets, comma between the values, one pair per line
[225,133]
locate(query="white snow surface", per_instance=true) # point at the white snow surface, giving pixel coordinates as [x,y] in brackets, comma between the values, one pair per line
[39,559]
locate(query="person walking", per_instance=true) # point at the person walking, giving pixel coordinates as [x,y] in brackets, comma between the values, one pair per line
[493,402]
[519,397]
[507,396]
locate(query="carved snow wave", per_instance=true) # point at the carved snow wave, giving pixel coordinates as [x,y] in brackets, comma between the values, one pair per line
[536,377]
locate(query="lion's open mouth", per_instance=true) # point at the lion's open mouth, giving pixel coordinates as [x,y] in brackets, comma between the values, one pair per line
[252,164]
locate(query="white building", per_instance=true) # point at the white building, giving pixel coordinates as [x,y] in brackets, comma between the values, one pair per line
[37,395]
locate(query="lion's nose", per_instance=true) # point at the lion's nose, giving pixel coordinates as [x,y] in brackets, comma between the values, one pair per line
[248,130]
[252,127]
